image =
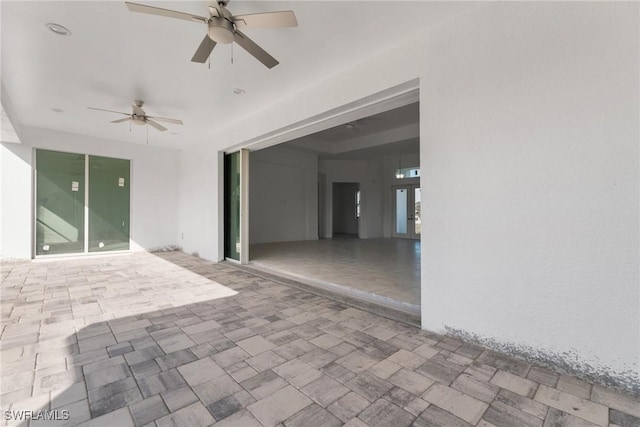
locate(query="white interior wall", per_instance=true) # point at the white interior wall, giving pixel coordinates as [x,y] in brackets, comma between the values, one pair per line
[374,203]
[283,196]
[529,154]
[200,193]
[154,188]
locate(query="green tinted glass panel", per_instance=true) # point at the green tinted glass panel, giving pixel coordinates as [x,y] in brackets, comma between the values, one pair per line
[232,206]
[108,204]
[59,202]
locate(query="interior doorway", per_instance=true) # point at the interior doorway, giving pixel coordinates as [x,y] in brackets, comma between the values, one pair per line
[346,209]
[323,206]
[407,221]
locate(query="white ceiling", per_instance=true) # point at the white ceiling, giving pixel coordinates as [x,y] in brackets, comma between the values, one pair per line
[385,131]
[115,56]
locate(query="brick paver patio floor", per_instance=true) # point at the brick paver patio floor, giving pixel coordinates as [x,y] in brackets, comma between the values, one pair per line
[172,340]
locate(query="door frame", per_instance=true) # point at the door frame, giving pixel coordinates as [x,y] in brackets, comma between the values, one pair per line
[332,204]
[243,210]
[411,228]
[34,207]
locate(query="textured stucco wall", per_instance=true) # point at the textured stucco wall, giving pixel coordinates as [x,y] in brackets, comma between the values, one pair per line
[531,184]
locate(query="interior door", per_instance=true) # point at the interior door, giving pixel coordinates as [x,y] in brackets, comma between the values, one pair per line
[407,220]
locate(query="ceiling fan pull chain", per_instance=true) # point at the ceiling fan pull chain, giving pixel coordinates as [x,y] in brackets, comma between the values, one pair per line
[231,53]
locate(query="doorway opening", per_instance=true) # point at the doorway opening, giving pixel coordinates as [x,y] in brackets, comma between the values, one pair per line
[343,206]
[346,209]
[323,211]
[407,220]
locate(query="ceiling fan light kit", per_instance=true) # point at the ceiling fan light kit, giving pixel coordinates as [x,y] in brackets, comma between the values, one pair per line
[221,30]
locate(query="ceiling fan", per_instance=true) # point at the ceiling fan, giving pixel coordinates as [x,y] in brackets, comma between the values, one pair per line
[139,117]
[223,27]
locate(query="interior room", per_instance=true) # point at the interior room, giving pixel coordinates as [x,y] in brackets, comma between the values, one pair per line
[333,207]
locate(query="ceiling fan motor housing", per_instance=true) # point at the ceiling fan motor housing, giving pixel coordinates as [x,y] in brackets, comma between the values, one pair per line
[221,30]
[139,120]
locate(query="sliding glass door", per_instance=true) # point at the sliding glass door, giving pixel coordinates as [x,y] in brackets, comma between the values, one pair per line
[232,206]
[236,206]
[82,203]
[108,204]
[60,195]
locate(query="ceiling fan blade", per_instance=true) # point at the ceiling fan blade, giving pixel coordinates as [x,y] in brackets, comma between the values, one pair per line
[151,10]
[259,53]
[166,119]
[110,111]
[121,120]
[204,50]
[286,18]
[156,125]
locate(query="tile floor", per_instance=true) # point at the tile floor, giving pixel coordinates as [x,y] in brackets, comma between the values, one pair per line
[172,340]
[387,267]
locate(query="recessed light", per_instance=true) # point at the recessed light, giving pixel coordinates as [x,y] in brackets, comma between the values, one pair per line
[58,29]
[239,91]
[350,125]
[57,110]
